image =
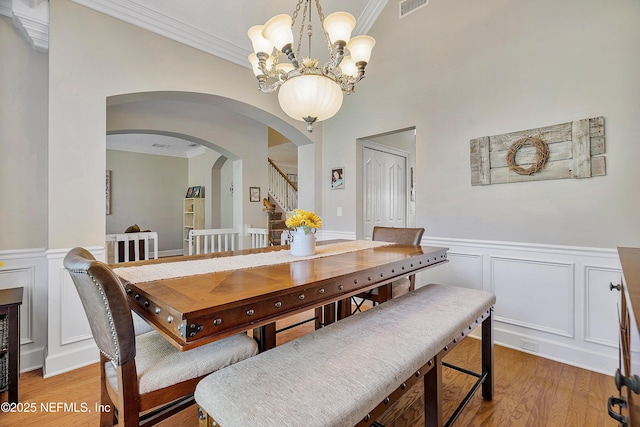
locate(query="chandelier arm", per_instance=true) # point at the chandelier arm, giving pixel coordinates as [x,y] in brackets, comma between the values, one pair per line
[339,56]
[262,62]
[361,65]
[288,50]
[268,88]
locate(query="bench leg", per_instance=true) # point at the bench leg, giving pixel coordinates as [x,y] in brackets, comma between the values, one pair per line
[204,420]
[487,356]
[433,394]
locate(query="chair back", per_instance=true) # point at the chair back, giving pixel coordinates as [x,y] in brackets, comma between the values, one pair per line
[259,237]
[403,236]
[105,303]
[126,247]
[205,241]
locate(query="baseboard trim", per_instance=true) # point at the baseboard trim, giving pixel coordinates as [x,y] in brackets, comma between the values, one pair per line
[70,360]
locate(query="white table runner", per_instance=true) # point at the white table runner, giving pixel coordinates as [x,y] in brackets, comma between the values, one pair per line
[171,270]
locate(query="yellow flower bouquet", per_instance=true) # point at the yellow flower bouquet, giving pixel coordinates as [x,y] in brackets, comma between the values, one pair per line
[306,220]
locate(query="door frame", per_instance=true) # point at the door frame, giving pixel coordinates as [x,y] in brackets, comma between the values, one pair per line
[361,143]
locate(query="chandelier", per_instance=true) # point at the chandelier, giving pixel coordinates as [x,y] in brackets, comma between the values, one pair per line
[307,91]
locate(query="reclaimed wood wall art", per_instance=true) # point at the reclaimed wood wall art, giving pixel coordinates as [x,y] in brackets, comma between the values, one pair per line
[568,150]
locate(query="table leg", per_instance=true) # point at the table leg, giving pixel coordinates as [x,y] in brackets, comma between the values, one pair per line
[328,313]
[265,336]
[344,308]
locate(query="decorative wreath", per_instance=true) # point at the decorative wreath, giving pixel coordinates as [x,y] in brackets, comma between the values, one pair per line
[542,155]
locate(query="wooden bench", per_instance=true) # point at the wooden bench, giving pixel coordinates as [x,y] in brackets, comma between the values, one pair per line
[351,371]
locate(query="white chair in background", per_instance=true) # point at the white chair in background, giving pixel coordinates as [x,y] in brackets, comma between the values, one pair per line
[134,247]
[259,236]
[210,240]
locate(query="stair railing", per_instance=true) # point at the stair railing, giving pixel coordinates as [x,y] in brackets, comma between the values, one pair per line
[282,189]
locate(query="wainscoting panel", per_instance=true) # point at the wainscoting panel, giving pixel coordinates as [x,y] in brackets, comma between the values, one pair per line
[70,344]
[599,319]
[534,294]
[26,268]
[463,269]
[74,323]
[552,301]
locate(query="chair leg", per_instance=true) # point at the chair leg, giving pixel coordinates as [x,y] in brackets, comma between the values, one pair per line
[358,305]
[107,409]
[128,395]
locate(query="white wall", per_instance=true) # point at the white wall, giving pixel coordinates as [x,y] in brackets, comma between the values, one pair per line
[472,69]
[485,68]
[148,190]
[23,142]
[23,186]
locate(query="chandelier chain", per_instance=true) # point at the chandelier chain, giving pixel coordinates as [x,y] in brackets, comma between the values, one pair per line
[326,36]
[293,23]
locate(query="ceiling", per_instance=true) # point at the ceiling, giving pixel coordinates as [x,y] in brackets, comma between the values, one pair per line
[216,27]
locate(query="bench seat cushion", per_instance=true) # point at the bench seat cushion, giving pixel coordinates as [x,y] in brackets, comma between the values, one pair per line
[337,374]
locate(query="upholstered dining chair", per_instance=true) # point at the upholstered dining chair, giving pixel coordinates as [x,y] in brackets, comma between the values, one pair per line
[144,379]
[403,236]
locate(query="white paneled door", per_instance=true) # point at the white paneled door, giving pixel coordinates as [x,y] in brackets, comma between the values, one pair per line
[384,190]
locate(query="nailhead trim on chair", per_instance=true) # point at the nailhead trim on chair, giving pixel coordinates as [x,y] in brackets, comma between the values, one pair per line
[113,330]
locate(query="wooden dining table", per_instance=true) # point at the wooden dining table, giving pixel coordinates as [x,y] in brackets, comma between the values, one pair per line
[193,310]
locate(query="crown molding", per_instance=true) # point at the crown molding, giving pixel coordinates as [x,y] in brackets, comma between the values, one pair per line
[5,8]
[31,19]
[169,27]
[369,16]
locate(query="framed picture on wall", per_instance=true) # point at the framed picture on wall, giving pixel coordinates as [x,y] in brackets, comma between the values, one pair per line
[337,178]
[108,193]
[254,194]
[196,191]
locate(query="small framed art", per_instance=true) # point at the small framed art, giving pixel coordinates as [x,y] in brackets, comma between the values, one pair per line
[254,194]
[337,178]
[108,194]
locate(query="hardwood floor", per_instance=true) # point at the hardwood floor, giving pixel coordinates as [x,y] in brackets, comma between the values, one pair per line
[529,391]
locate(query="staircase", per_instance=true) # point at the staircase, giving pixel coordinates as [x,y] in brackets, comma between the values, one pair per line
[283,197]
[276,227]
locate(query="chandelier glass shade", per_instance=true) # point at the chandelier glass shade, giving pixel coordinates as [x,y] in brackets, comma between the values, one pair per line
[316,96]
[308,91]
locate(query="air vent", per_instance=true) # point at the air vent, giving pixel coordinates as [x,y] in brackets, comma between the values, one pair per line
[160,145]
[193,145]
[410,6]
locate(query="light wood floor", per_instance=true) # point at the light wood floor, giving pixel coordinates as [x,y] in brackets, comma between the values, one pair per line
[529,391]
